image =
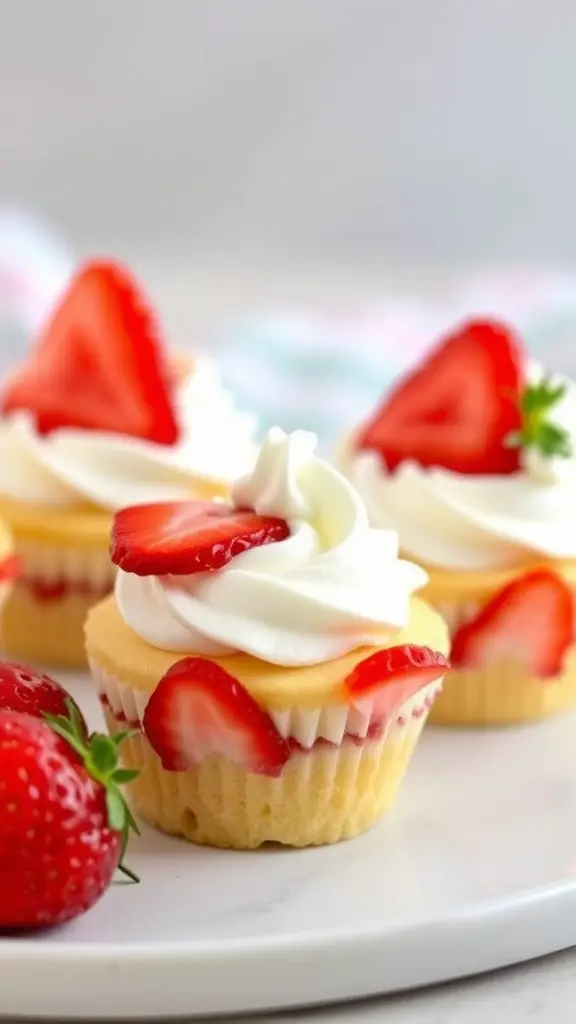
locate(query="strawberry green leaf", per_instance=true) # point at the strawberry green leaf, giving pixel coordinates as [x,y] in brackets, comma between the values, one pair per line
[132,823]
[124,775]
[104,753]
[539,430]
[100,756]
[115,805]
[74,717]
[119,737]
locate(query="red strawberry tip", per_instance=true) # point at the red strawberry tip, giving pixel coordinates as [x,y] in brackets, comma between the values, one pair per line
[100,756]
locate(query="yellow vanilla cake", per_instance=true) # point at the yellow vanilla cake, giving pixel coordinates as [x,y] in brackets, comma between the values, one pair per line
[471,459]
[277,690]
[10,566]
[101,415]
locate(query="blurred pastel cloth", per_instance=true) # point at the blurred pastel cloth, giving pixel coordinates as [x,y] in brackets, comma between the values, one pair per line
[323,372]
[34,265]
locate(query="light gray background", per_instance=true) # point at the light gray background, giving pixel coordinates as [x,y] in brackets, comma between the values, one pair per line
[406,132]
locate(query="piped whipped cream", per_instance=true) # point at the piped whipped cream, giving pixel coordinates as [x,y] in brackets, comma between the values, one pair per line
[452,521]
[68,466]
[333,585]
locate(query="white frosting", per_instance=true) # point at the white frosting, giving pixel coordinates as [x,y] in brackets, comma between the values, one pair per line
[333,585]
[112,470]
[476,522]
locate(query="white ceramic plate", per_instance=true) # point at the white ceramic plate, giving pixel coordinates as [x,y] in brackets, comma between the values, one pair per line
[475,870]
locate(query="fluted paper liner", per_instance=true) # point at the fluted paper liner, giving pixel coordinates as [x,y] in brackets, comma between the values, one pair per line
[51,630]
[502,692]
[323,795]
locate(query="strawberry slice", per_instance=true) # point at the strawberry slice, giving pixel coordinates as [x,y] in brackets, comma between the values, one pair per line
[199,709]
[98,364]
[183,537]
[531,620]
[457,409]
[393,676]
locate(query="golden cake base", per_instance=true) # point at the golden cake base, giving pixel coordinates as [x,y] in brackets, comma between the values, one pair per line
[55,546]
[502,693]
[68,545]
[48,632]
[323,795]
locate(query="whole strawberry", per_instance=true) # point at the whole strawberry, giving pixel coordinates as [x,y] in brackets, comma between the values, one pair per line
[64,822]
[25,689]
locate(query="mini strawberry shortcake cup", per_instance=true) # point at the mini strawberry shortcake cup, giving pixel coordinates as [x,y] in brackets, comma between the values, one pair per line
[270,656]
[98,417]
[470,458]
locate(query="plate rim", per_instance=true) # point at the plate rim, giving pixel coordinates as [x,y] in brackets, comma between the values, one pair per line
[12,947]
[452,946]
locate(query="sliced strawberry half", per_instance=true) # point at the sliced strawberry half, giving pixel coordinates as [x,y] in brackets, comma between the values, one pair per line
[457,409]
[531,621]
[199,709]
[393,676]
[99,363]
[184,537]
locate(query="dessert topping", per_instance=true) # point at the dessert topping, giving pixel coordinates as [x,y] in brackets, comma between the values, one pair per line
[98,364]
[457,409]
[186,537]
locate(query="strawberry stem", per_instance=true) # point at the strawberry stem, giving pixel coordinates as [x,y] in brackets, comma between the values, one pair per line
[537,431]
[100,756]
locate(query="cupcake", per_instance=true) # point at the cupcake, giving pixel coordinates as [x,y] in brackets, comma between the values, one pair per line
[99,416]
[270,655]
[471,459]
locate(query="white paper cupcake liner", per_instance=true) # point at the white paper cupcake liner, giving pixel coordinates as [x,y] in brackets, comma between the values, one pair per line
[50,563]
[43,619]
[306,727]
[324,794]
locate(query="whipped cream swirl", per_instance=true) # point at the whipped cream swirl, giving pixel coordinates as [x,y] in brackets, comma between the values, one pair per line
[109,470]
[333,585]
[452,521]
